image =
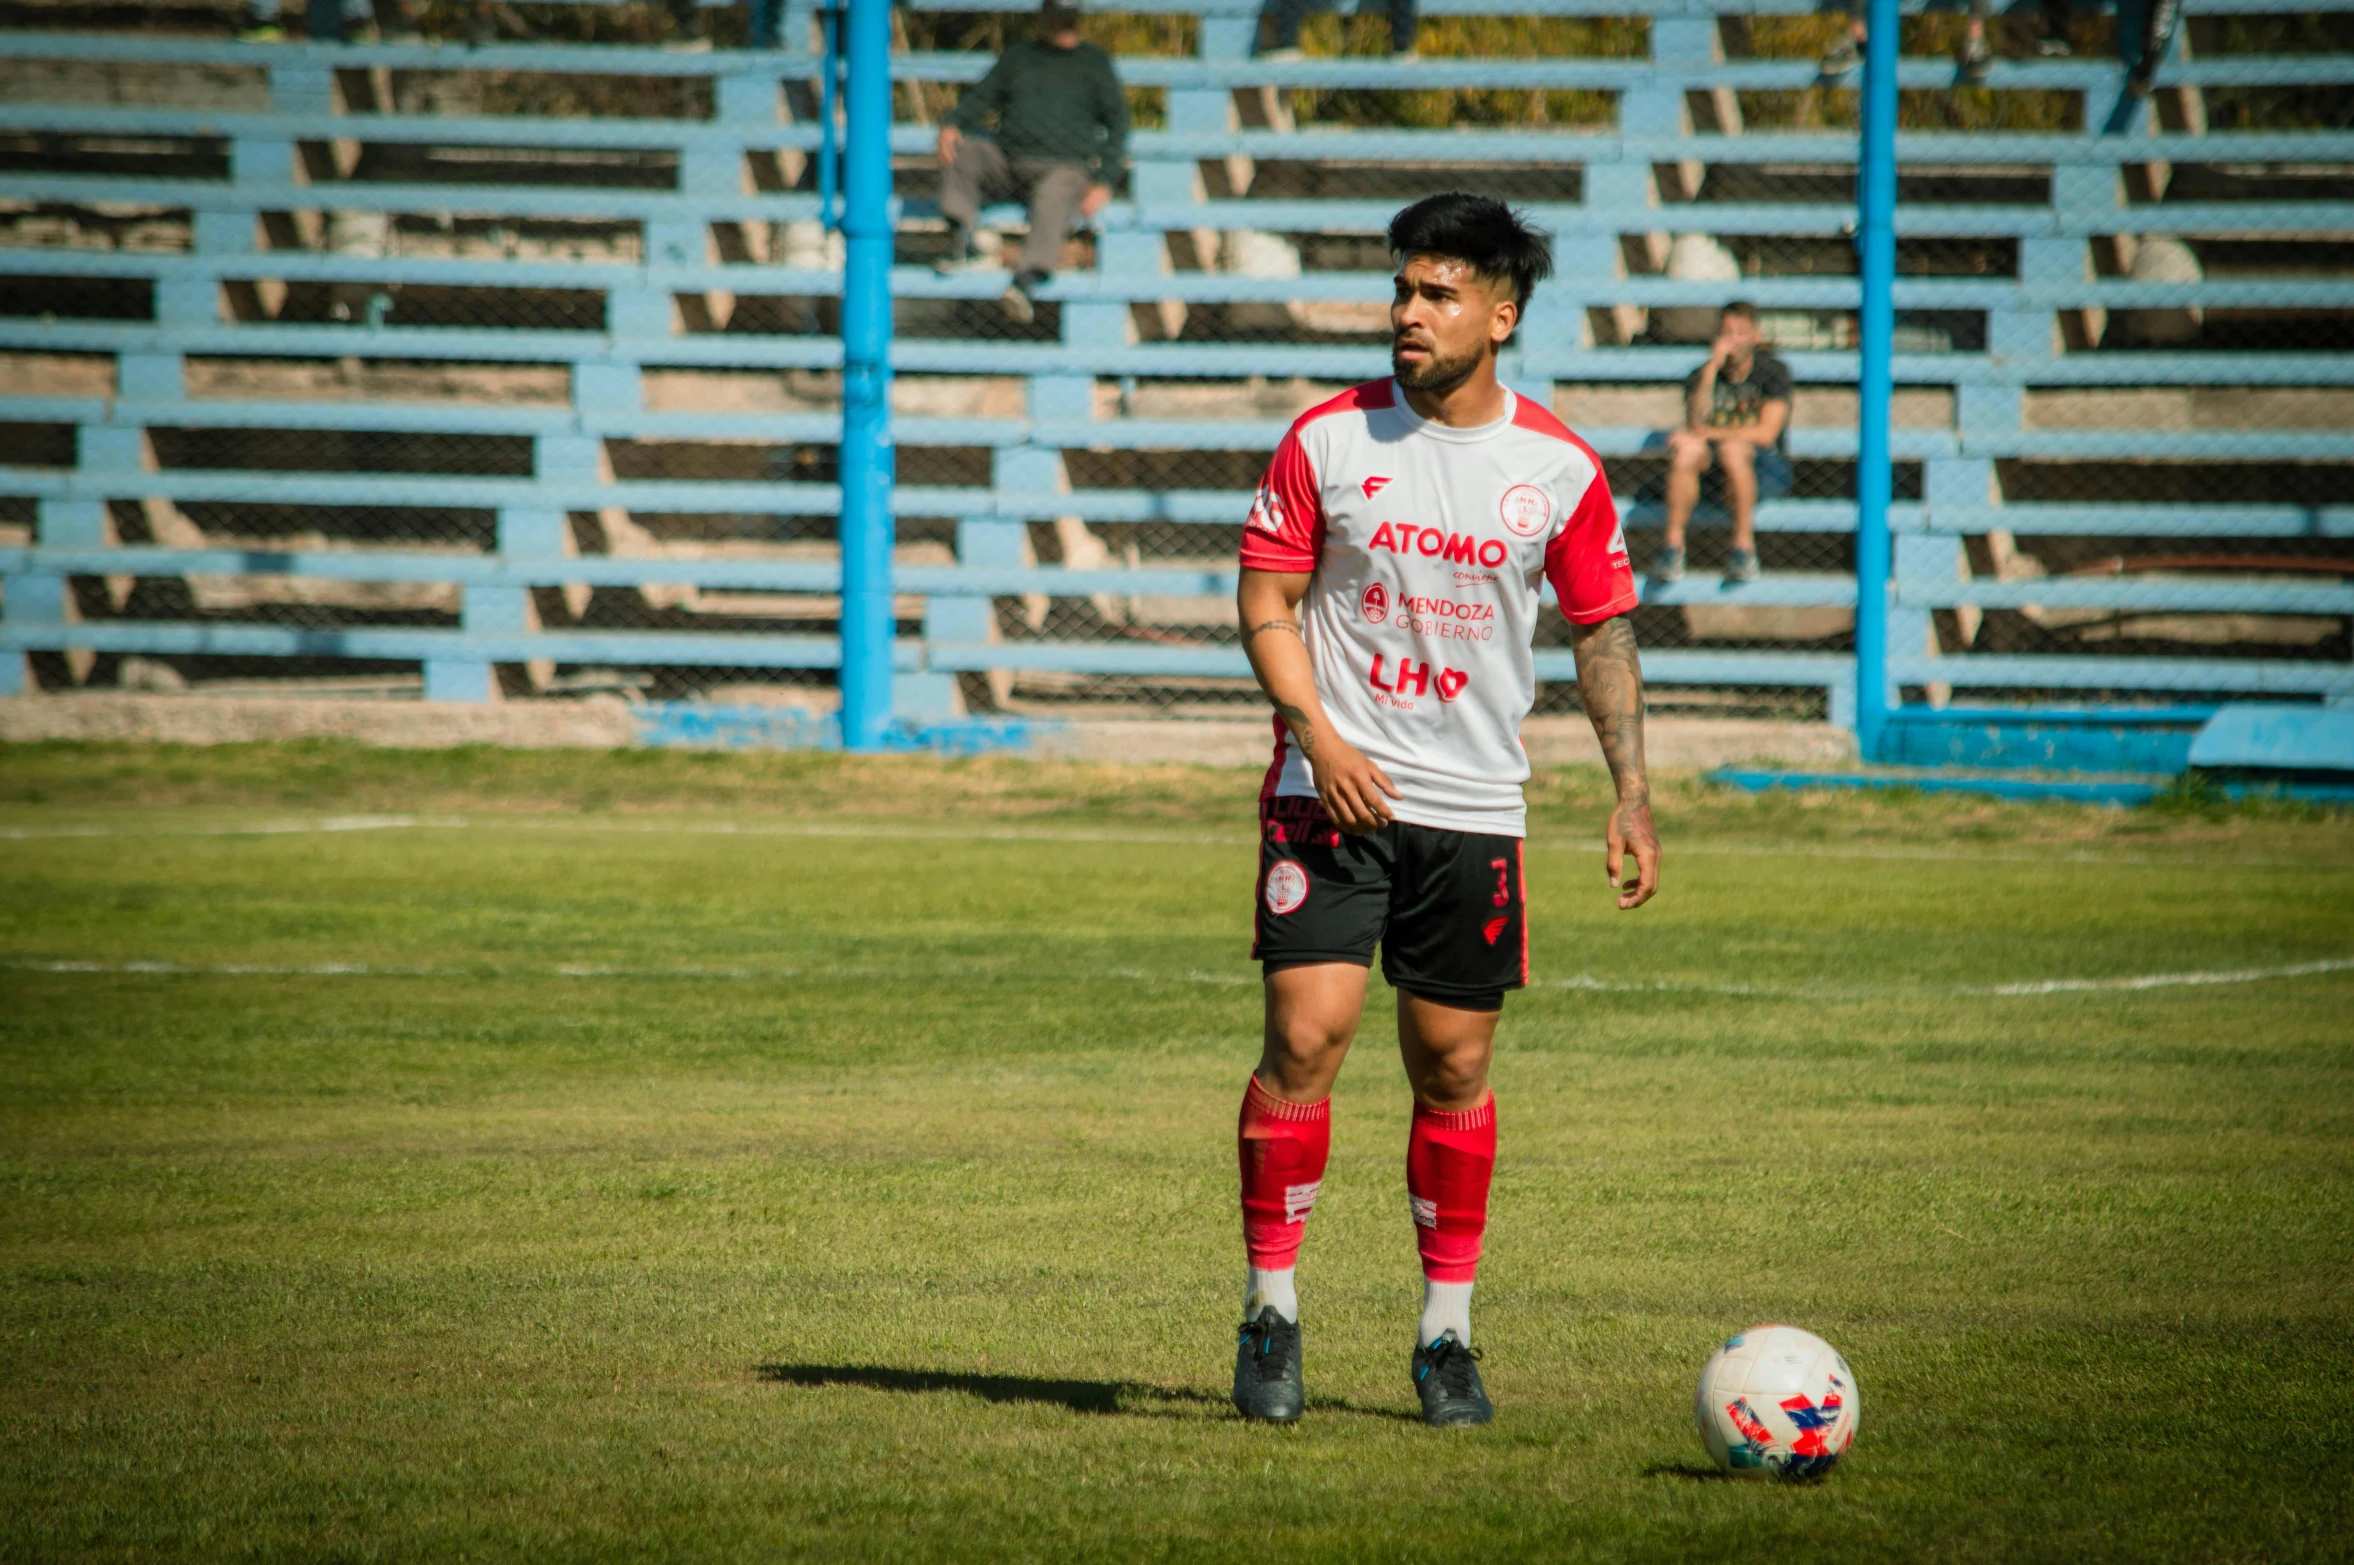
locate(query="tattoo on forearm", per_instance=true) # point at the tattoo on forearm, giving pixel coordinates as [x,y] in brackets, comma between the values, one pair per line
[1610,681]
[1256,631]
[1301,729]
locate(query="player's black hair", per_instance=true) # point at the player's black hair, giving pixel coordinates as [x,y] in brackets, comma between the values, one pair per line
[1484,234]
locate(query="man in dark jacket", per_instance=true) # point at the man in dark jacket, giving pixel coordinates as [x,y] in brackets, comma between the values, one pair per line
[1061,130]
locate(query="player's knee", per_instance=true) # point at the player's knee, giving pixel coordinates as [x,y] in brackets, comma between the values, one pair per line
[1454,1080]
[1310,1040]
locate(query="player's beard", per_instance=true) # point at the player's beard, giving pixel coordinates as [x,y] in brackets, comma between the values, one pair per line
[1437,375]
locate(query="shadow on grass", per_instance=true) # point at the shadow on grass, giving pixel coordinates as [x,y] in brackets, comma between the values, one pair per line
[1124,1398]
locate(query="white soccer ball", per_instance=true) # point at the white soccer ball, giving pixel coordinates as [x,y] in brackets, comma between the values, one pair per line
[1777,1402]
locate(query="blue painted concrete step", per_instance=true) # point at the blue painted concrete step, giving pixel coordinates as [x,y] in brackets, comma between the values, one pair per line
[2089,739]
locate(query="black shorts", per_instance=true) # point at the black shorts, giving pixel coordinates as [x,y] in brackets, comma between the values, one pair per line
[1447,908]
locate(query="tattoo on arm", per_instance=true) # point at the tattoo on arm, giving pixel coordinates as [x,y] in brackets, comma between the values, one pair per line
[1610,681]
[1301,729]
[1260,629]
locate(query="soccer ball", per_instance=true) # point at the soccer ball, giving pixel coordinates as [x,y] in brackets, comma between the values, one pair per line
[1778,1402]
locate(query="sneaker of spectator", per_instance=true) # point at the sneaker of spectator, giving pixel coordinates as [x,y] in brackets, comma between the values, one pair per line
[1290,54]
[1740,566]
[2054,46]
[1667,565]
[1845,57]
[1020,300]
[964,255]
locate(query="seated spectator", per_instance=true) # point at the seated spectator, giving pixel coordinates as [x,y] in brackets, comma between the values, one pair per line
[1737,421]
[1290,15]
[1061,131]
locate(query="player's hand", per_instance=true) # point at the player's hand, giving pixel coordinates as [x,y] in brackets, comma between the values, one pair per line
[949,137]
[1631,831]
[1351,786]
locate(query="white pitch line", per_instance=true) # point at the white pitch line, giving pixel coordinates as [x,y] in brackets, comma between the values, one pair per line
[1585,982]
[2243,975]
[1107,834]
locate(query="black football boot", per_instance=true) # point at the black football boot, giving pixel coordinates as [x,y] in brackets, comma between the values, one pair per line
[1448,1377]
[1267,1369]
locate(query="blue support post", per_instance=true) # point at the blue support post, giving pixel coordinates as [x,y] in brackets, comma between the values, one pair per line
[866,456]
[1876,238]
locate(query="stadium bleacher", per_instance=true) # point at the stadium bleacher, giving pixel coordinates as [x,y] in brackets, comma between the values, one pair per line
[508,371]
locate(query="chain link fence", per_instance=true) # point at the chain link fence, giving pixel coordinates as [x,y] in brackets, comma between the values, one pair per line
[2169,441]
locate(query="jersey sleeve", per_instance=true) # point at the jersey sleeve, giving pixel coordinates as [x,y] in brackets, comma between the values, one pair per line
[1286,527]
[1587,560]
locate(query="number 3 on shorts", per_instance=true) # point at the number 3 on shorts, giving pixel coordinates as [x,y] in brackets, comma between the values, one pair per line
[1503,890]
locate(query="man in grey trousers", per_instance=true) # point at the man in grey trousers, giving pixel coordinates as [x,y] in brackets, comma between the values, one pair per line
[1060,133]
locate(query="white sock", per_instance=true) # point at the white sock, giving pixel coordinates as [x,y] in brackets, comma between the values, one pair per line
[1446,1306]
[1271,1288]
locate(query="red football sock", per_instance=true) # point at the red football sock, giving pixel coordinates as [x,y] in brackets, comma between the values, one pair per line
[1283,1147]
[1449,1160]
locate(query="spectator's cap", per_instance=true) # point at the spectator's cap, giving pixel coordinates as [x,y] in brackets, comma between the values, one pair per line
[1057,16]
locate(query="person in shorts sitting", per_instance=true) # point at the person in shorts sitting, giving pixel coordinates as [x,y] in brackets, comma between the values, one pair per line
[1737,421]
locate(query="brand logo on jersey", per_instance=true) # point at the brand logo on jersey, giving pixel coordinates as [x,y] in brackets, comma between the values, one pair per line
[1375,603]
[1266,510]
[1414,679]
[1496,927]
[1287,887]
[1430,543]
[1527,510]
[1375,485]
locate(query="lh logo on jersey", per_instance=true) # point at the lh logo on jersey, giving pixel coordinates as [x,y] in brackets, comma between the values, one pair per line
[1527,510]
[1374,485]
[1287,887]
[1414,679]
[1375,603]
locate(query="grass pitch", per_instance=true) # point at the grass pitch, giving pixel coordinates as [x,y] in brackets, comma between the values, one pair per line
[731,1157]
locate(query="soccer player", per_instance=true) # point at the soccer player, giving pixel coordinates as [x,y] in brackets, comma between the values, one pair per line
[1390,579]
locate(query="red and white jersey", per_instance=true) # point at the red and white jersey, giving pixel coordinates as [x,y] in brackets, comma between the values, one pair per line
[1427,545]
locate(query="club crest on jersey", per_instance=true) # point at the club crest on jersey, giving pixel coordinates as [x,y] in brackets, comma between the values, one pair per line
[1375,603]
[1267,510]
[1526,510]
[1287,887]
[1374,485]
